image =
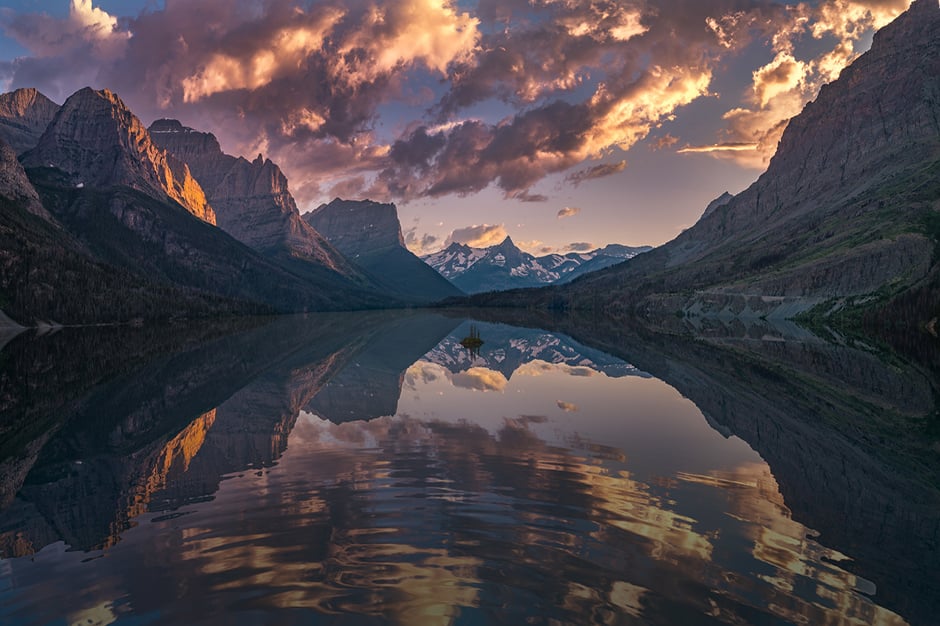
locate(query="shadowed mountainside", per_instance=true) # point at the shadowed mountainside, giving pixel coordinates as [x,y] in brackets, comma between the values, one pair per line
[846,208]
[369,234]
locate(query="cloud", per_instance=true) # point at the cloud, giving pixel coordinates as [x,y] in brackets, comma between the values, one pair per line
[724,147]
[568,211]
[574,81]
[480,379]
[533,246]
[666,141]
[596,171]
[482,236]
[424,243]
[580,246]
[781,88]
[348,188]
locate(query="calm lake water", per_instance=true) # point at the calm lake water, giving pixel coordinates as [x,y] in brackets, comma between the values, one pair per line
[369,469]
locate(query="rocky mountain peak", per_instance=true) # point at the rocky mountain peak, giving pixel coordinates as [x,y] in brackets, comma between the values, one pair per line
[100,143]
[357,226]
[24,115]
[27,103]
[507,244]
[251,198]
[720,201]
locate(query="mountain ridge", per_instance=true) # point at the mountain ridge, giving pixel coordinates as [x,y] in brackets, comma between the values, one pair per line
[99,142]
[252,199]
[505,266]
[24,115]
[840,217]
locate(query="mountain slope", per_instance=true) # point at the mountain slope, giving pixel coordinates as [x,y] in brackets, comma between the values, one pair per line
[840,212]
[24,116]
[369,233]
[47,275]
[131,209]
[251,198]
[505,266]
[98,142]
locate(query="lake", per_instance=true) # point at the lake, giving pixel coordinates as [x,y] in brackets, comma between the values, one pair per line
[367,468]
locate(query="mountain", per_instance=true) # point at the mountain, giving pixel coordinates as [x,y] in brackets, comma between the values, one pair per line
[369,233]
[846,212]
[251,198]
[505,266]
[24,116]
[15,186]
[454,260]
[127,233]
[46,274]
[96,140]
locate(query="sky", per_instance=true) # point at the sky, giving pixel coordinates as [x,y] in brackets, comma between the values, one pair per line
[567,124]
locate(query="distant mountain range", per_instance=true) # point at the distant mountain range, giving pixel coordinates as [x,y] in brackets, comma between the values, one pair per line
[845,217]
[505,266]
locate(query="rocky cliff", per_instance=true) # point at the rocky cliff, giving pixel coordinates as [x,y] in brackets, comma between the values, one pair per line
[369,234]
[358,227]
[100,143]
[24,116]
[840,211]
[15,186]
[251,198]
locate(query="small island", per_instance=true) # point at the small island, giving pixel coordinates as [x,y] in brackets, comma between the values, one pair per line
[472,341]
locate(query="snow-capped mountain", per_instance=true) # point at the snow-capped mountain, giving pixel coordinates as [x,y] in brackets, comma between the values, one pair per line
[505,266]
[454,260]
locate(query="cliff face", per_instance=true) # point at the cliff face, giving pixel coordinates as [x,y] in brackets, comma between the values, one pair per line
[358,227]
[840,211]
[24,116]
[96,139]
[15,186]
[369,234]
[251,198]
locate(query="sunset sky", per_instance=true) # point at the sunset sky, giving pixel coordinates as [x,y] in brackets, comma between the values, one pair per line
[568,124]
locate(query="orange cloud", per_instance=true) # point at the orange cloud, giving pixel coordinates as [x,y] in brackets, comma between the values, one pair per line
[781,88]
[482,236]
[283,53]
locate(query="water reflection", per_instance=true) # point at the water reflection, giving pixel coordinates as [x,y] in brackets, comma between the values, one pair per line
[369,469]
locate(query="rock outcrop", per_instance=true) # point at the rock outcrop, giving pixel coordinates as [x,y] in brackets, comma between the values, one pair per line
[369,234]
[251,198]
[842,211]
[24,116]
[358,227]
[15,186]
[100,143]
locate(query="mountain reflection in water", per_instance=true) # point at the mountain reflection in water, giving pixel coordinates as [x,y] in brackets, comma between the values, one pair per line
[369,469]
